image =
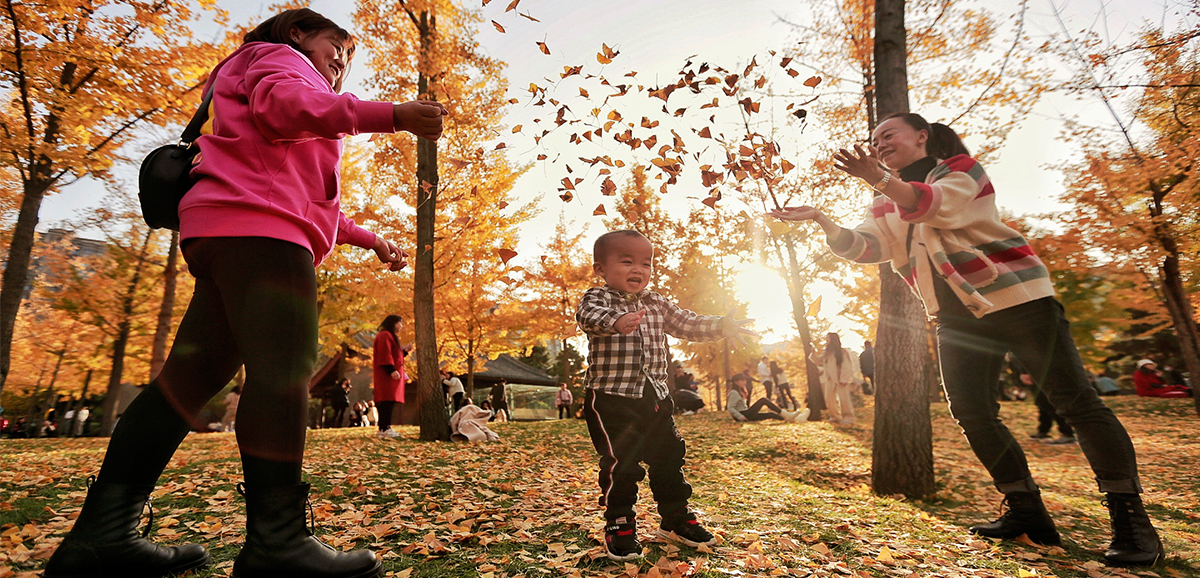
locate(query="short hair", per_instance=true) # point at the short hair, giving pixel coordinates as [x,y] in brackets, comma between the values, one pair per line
[604,243]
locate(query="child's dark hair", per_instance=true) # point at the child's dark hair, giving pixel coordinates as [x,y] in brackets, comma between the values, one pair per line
[604,243]
[278,30]
[943,142]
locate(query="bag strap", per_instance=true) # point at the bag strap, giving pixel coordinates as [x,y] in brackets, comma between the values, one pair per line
[192,131]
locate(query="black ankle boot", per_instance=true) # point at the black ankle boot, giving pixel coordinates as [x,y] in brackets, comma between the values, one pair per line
[105,543]
[279,543]
[1134,541]
[1027,515]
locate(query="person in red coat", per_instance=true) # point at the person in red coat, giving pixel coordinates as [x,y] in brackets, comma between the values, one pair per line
[1149,382]
[389,373]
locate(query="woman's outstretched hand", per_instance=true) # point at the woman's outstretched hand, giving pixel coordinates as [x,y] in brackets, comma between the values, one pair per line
[420,117]
[391,255]
[861,163]
[804,213]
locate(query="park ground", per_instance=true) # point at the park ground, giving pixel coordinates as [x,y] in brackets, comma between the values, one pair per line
[784,499]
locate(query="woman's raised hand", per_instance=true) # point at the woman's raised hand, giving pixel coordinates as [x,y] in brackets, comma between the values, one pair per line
[861,163]
[391,255]
[420,117]
[804,213]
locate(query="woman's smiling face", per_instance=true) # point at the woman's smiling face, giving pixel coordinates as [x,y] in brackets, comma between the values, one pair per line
[328,50]
[899,144]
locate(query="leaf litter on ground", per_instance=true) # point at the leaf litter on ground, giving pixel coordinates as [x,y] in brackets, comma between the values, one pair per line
[783,500]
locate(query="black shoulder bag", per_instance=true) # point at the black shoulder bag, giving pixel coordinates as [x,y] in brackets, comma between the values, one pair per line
[165,175]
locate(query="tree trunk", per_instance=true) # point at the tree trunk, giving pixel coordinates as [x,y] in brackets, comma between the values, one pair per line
[16,268]
[902,456]
[434,424]
[1175,295]
[112,398]
[815,396]
[158,353]
[470,385]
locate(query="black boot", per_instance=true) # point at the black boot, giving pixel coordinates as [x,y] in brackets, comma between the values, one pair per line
[279,543]
[105,542]
[1134,541]
[1027,515]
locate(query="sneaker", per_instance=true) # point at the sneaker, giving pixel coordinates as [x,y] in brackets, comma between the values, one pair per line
[688,531]
[387,434]
[1060,441]
[621,542]
[688,412]
[1037,435]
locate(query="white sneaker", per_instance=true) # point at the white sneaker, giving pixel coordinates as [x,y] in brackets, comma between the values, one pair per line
[688,412]
[387,434]
[801,415]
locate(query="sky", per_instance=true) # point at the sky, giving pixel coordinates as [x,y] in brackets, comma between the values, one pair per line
[655,38]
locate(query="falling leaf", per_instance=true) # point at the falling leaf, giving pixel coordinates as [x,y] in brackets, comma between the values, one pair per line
[500,146]
[542,46]
[800,113]
[815,307]
[512,5]
[812,81]
[498,26]
[457,163]
[599,211]
[527,16]
[608,188]
[566,196]
[506,254]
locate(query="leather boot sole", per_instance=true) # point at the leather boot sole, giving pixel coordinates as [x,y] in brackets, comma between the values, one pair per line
[374,572]
[204,562]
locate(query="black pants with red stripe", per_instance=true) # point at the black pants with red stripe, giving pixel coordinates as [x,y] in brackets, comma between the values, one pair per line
[627,431]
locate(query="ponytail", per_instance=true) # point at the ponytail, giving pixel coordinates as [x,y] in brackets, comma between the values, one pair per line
[943,142]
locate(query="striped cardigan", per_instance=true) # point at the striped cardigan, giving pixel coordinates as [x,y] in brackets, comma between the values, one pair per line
[956,230]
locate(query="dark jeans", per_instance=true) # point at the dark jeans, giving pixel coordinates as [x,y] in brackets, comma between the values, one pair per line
[627,431]
[255,303]
[1047,416]
[564,411]
[755,412]
[972,354]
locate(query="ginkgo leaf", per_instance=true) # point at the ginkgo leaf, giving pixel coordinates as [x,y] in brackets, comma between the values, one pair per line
[812,81]
[498,26]
[542,46]
[608,188]
[599,211]
[814,308]
[512,5]
[457,163]
[506,254]
[500,146]
[516,129]
[566,196]
[711,201]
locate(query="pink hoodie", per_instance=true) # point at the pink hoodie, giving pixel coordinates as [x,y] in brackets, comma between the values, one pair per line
[270,153]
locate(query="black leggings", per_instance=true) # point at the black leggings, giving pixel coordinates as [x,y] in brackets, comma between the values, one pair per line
[756,413]
[255,303]
[385,409]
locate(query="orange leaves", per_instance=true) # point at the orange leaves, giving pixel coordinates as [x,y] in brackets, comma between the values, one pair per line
[812,81]
[599,211]
[542,46]
[505,255]
[608,188]
[512,5]
[498,27]
[606,55]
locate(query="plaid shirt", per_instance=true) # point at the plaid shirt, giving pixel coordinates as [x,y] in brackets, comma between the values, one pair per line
[621,364]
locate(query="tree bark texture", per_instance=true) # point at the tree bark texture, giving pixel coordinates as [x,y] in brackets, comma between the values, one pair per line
[16,269]
[112,398]
[902,454]
[166,310]
[435,425]
[1179,306]
[815,396]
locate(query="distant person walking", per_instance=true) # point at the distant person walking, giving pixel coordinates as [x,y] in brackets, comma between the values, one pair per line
[390,377]
[935,219]
[563,400]
[866,364]
[500,402]
[783,388]
[339,400]
[231,406]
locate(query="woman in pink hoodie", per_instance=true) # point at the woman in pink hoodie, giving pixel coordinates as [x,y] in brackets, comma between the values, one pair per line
[264,212]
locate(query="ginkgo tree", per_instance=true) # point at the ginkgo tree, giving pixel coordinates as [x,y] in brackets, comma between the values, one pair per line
[78,79]
[1133,192]
[556,283]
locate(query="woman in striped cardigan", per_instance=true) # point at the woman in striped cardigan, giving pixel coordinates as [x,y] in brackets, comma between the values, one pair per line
[935,219]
